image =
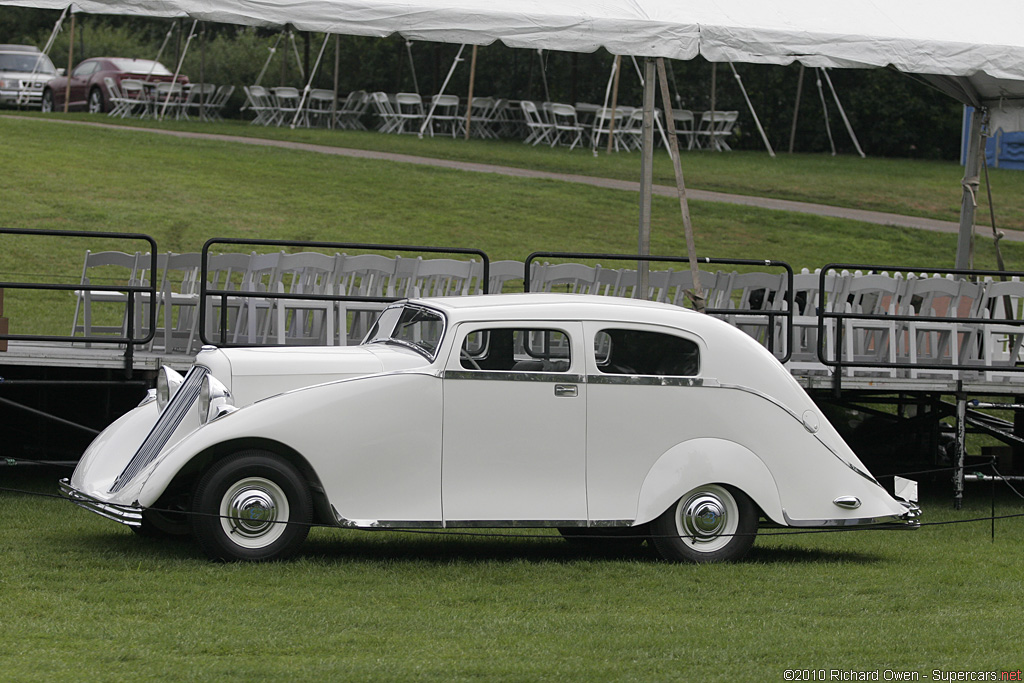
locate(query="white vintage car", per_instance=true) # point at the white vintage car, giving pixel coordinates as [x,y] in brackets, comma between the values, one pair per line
[595,415]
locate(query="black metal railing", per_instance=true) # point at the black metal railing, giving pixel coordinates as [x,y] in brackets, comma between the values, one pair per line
[132,292]
[771,313]
[224,295]
[836,310]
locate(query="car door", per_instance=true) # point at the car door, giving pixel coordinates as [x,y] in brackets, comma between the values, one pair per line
[646,392]
[79,83]
[514,435]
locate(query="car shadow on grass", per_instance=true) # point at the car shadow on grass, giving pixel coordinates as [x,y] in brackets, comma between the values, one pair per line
[347,547]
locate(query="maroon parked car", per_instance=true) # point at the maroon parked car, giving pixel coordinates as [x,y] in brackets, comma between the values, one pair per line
[88,86]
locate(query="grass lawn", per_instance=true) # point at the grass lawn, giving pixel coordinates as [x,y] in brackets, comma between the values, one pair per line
[82,598]
[930,189]
[183,192]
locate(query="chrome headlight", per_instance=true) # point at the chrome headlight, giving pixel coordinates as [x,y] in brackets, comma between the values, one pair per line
[167,383]
[214,400]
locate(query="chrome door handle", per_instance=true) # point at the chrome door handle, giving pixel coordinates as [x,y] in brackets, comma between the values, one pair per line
[566,390]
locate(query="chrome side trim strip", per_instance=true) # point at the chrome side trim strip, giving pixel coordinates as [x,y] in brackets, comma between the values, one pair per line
[165,426]
[124,514]
[646,380]
[513,376]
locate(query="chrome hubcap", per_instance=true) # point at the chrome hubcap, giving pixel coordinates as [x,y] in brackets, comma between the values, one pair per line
[253,511]
[707,518]
[704,518]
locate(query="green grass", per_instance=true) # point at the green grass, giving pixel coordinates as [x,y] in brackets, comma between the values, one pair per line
[183,192]
[85,599]
[929,189]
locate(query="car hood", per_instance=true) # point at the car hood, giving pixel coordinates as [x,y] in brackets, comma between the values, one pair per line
[254,373]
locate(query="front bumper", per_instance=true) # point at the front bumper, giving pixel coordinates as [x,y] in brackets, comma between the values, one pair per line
[130,515]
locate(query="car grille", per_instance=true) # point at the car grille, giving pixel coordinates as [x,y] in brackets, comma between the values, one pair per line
[169,420]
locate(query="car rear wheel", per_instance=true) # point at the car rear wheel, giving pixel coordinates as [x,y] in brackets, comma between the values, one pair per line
[95,101]
[47,105]
[252,506]
[711,523]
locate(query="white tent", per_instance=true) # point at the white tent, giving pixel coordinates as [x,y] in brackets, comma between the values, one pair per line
[974,53]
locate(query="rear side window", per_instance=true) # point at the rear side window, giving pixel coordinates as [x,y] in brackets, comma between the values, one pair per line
[516,350]
[639,352]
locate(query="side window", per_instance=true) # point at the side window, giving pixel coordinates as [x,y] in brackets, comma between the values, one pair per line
[84,70]
[516,350]
[637,352]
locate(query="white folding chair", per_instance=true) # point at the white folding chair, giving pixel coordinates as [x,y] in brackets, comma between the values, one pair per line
[446,115]
[563,122]
[539,129]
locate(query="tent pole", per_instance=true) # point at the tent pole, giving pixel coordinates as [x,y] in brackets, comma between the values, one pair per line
[796,107]
[469,96]
[760,129]
[657,121]
[177,70]
[266,64]
[56,29]
[444,86]
[604,105]
[842,112]
[713,142]
[337,67]
[412,66]
[684,206]
[824,109]
[615,99]
[309,83]
[298,59]
[71,56]
[970,183]
[544,75]
[646,180]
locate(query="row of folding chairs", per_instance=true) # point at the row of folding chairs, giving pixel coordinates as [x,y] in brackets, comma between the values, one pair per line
[135,98]
[963,322]
[297,318]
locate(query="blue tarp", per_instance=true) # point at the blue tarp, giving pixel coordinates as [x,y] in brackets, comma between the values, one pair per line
[1005,150]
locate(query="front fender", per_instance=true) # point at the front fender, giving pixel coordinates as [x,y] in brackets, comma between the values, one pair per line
[111,451]
[707,461]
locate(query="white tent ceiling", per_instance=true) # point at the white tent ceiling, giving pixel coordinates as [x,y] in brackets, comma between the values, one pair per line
[984,44]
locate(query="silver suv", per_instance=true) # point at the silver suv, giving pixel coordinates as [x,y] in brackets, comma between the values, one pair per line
[24,70]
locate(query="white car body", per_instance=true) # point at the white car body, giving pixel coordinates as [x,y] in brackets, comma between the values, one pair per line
[388,435]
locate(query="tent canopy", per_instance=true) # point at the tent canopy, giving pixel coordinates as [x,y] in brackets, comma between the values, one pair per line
[984,50]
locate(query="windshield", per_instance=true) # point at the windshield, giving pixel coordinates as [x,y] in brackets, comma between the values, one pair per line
[416,327]
[140,66]
[27,62]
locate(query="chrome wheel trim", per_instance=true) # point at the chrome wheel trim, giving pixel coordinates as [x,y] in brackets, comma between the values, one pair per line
[46,106]
[706,518]
[253,512]
[95,102]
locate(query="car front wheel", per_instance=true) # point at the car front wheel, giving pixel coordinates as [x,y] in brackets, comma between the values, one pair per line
[47,105]
[711,523]
[252,506]
[95,101]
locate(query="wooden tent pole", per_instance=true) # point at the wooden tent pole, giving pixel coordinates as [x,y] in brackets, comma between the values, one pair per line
[615,100]
[469,98]
[71,56]
[684,206]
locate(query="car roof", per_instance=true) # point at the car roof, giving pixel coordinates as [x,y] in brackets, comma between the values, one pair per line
[542,305]
[18,48]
